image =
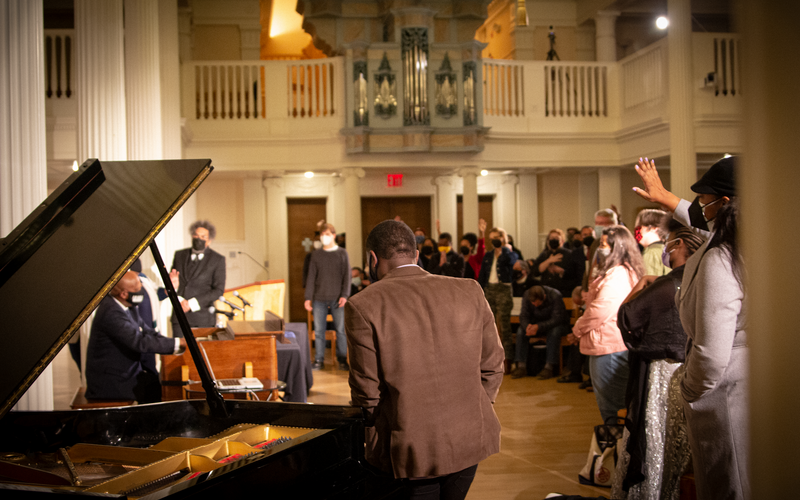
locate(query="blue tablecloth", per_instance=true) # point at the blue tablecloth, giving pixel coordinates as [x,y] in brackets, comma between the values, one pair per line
[294,366]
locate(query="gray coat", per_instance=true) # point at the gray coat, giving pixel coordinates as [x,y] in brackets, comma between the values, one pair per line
[714,389]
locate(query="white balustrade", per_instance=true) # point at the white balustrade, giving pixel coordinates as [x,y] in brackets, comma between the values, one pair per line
[58,60]
[644,76]
[726,65]
[503,88]
[575,90]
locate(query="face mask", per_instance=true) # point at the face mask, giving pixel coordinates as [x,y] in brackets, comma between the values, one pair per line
[420,239]
[665,257]
[598,230]
[517,275]
[497,243]
[444,249]
[553,244]
[588,241]
[464,250]
[326,239]
[427,251]
[317,244]
[136,298]
[602,254]
[356,281]
[696,218]
[198,245]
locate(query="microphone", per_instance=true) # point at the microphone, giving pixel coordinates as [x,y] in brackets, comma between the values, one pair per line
[232,305]
[244,301]
[214,310]
[257,262]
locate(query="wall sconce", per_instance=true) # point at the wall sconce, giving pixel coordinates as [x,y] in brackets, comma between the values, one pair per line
[522,13]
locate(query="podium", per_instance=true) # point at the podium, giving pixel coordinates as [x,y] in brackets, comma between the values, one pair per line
[263,295]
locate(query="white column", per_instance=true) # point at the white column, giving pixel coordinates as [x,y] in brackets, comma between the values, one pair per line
[683,162]
[608,187]
[528,238]
[469,199]
[100,80]
[255,230]
[142,80]
[606,35]
[506,205]
[588,198]
[277,231]
[352,215]
[447,204]
[23,153]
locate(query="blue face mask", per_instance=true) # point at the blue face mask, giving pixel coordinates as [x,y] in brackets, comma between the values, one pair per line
[420,239]
[356,281]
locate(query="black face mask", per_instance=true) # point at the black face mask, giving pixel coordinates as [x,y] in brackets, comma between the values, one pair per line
[198,245]
[516,275]
[427,251]
[497,243]
[464,250]
[588,241]
[696,218]
[135,298]
[553,244]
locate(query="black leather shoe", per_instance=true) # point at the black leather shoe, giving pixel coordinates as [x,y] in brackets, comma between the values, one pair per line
[585,384]
[317,365]
[344,366]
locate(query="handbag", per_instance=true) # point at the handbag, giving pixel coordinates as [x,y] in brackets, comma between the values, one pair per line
[602,461]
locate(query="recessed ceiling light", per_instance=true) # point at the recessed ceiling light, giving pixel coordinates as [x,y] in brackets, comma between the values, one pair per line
[662,23]
[484,173]
[309,174]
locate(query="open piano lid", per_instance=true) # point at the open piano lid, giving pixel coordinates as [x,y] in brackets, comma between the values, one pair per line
[59,263]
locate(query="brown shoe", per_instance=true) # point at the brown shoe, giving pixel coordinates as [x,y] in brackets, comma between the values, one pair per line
[545,374]
[519,373]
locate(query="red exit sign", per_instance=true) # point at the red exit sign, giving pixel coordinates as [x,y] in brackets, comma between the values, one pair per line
[394,180]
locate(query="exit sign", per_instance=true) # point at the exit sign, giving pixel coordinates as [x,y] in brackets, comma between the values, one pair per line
[394,180]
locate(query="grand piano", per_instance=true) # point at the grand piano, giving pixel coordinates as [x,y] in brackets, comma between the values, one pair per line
[55,268]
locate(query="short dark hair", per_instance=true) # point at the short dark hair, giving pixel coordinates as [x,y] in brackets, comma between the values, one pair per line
[446,236]
[472,238]
[391,239]
[212,231]
[651,217]
[536,292]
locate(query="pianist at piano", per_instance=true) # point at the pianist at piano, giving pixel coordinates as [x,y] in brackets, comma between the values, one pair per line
[118,343]
[201,272]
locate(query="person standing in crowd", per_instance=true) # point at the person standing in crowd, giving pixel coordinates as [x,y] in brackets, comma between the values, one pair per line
[327,289]
[400,335]
[495,279]
[556,267]
[711,302]
[446,262]
[651,224]
[651,329]
[425,253]
[200,272]
[619,267]
[602,219]
[522,279]
[542,314]
[119,339]
[475,250]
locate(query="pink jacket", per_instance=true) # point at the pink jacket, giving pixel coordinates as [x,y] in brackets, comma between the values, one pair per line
[597,328]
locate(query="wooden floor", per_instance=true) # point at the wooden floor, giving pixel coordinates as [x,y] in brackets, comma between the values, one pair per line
[545,439]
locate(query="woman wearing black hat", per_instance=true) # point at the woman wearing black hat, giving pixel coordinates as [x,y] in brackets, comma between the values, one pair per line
[711,304]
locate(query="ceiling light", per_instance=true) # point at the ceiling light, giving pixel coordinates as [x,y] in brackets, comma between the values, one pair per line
[662,23]
[484,173]
[75,166]
[309,174]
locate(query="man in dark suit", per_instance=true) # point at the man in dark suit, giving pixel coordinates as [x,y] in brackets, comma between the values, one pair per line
[426,363]
[201,275]
[119,340]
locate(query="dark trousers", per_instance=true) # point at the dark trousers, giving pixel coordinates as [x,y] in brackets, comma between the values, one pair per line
[450,487]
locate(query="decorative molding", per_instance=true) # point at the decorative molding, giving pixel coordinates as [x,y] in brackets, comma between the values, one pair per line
[385,90]
[446,89]
[357,172]
[465,171]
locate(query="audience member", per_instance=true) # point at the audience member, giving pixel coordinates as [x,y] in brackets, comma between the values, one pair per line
[652,230]
[476,250]
[576,360]
[119,338]
[556,267]
[328,288]
[495,279]
[200,272]
[315,245]
[619,269]
[714,389]
[513,248]
[446,262]
[419,237]
[602,219]
[542,314]
[428,393]
[425,253]
[587,238]
[650,325]
[522,279]
[356,280]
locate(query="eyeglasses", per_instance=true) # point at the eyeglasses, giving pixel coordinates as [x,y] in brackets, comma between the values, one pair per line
[703,207]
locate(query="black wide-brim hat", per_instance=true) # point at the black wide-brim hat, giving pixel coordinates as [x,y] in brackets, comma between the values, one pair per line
[720,179]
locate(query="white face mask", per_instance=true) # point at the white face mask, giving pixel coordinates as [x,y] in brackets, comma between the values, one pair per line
[326,239]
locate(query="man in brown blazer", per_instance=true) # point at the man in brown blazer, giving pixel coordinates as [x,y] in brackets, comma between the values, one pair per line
[426,362]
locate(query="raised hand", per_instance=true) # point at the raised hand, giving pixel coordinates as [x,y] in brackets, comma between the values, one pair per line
[654,190]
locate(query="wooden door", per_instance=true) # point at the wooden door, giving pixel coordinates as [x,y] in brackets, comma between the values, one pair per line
[485,212]
[304,213]
[414,210]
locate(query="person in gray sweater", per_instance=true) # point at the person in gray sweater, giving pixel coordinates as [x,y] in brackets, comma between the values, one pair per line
[327,289]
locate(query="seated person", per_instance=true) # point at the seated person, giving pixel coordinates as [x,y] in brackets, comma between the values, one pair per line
[575,360]
[522,279]
[446,262]
[356,280]
[543,314]
[556,266]
[119,339]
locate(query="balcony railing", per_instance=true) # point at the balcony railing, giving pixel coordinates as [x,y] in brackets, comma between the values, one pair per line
[58,61]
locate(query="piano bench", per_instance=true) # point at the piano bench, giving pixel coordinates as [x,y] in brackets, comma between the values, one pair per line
[79,401]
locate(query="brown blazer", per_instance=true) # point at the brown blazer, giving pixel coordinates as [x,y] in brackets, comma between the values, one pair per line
[427,363]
